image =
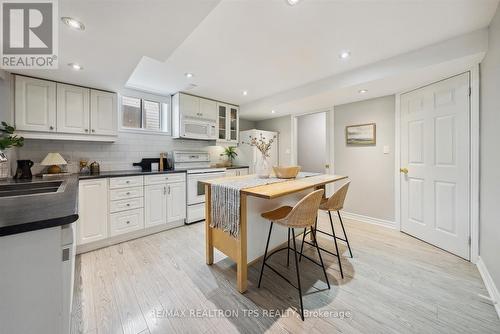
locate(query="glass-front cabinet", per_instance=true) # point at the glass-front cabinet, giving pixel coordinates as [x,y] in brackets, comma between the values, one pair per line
[228,123]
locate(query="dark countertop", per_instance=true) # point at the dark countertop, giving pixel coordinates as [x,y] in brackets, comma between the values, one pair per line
[121,173]
[34,212]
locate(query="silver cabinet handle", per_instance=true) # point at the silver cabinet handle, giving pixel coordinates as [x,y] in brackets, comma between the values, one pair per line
[127,181]
[128,204]
[51,127]
[93,130]
[128,193]
[128,221]
[169,190]
[86,130]
[164,190]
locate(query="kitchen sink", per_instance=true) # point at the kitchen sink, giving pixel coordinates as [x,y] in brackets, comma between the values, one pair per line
[29,188]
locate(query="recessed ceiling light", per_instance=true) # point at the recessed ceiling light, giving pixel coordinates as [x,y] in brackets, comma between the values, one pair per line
[189,75]
[362,91]
[245,93]
[292,2]
[75,66]
[345,54]
[273,111]
[75,24]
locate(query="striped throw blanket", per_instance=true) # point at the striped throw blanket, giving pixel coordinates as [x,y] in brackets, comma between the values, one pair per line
[226,201]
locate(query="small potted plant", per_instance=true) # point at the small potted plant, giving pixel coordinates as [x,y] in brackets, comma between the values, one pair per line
[7,140]
[230,153]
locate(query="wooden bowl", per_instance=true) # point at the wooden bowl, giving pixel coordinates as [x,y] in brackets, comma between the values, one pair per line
[286,172]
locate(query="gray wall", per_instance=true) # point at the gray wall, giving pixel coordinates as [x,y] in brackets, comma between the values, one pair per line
[283,125]
[246,124]
[371,172]
[311,142]
[489,228]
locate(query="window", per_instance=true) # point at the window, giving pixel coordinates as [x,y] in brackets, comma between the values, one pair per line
[145,114]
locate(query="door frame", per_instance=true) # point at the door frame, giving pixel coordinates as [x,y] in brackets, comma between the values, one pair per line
[473,162]
[330,137]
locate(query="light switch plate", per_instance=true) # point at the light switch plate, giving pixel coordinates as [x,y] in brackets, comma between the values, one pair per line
[386,149]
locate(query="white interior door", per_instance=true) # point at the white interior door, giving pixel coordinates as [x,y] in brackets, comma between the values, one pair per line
[435,151]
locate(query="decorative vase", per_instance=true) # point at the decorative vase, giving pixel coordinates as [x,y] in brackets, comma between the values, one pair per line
[262,168]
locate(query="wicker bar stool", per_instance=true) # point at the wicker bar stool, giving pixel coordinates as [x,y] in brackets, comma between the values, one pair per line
[302,215]
[334,203]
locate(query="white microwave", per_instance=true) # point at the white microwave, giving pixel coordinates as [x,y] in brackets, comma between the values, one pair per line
[198,129]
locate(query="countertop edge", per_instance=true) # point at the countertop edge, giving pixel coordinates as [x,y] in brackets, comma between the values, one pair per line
[37,225]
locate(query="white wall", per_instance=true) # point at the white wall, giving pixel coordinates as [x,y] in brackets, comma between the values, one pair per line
[283,125]
[371,172]
[246,124]
[489,228]
[311,142]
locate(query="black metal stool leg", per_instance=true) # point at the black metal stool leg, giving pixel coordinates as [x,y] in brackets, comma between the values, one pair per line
[302,246]
[265,254]
[288,250]
[320,258]
[298,275]
[345,234]
[336,246]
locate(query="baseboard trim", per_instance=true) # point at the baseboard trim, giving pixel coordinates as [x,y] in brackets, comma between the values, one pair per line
[369,220]
[490,285]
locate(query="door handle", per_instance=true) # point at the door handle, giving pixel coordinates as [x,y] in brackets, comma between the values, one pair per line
[327,166]
[404,171]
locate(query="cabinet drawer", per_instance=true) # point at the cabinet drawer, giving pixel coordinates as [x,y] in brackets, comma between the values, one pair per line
[164,178]
[124,182]
[118,194]
[126,204]
[126,221]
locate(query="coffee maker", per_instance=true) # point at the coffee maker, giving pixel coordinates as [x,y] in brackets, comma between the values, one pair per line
[23,170]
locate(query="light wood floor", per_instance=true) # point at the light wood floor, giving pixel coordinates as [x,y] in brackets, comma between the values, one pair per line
[394,284]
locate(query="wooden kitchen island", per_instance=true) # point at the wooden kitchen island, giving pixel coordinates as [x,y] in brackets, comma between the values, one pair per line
[249,246]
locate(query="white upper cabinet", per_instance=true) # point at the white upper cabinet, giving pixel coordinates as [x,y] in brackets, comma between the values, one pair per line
[208,109]
[197,107]
[35,104]
[227,123]
[189,105]
[48,110]
[73,109]
[103,118]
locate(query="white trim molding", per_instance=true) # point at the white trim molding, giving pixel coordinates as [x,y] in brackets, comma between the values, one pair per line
[369,220]
[490,284]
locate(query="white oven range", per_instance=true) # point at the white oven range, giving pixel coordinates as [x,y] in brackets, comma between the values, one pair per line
[197,166]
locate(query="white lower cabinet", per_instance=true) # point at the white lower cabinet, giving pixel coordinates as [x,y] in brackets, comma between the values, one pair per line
[119,206]
[155,204]
[126,221]
[237,171]
[176,201]
[92,224]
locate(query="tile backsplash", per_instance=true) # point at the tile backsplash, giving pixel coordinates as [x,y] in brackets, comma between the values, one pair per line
[127,149]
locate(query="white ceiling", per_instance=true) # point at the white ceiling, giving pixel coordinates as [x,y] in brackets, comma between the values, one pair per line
[118,33]
[267,47]
[262,46]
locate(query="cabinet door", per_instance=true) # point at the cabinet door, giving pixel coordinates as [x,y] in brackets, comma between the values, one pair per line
[155,203]
[189,105]
[176,201]
[243,171]
[73,110]
[232,124]
[35,104]
[208,109]
[103,113]
[221,121]
[92,224]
